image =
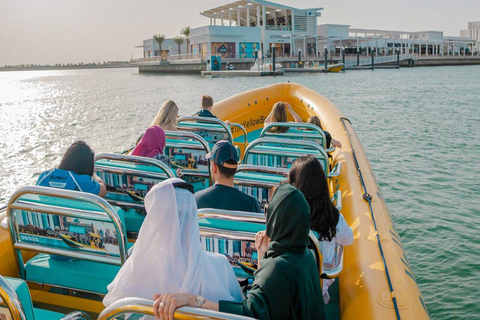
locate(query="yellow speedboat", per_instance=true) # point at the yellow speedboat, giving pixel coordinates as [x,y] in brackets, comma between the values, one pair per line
[375,280]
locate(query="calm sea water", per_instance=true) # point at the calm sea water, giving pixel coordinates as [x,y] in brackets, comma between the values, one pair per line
[420,128]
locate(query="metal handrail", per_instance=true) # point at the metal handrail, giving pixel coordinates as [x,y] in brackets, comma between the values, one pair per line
[308,126]
[138,160]
[263,169]
[244,132]
[76,315]
[229,215]
[259,169]
[11,300]
[337,197]
[107,211]
[145,307]
[207,120]
[299,143]
[334,271]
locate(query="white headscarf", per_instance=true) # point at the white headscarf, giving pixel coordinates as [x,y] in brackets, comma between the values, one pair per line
[168,256]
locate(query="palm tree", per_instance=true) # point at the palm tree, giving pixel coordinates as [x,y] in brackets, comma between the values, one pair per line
[186,32]
[160,38]
[179,41]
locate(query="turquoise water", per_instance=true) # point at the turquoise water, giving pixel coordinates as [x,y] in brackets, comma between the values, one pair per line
[420,128]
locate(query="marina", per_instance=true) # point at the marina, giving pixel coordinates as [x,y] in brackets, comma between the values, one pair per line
[378,112]
[232,158]
[266,27]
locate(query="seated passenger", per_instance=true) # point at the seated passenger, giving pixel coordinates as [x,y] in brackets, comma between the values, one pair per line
[316,121]
[167,116]
[279,114]
[151,145]
[287,284]
[223,194]
[168,256]
[307,175]
[207,104]
[75,172]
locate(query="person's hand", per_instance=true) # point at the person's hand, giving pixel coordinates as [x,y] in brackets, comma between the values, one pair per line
[261,243]
[179,173]
[289,107]
[165,304]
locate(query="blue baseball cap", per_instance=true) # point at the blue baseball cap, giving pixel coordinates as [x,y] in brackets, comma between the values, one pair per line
[222,152]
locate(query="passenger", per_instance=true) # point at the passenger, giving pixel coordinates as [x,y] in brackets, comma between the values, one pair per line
[75,172]
[316,121]
[152,144]
[167,116]
[168,255]
[279,114]
[223,194]
[207,104]
[287,284]
[307,175]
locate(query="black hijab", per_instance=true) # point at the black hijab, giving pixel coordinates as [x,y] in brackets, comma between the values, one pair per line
[288,221]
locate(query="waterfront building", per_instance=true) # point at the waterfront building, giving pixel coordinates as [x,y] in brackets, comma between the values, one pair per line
[473,31]
[152,49]
[239,29]
[336,37]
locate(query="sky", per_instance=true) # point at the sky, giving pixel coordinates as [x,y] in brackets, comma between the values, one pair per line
[63,31]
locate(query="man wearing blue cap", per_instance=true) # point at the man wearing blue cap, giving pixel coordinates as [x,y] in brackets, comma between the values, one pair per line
[223,194]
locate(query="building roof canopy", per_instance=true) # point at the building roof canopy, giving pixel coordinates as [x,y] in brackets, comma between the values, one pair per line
[271,8]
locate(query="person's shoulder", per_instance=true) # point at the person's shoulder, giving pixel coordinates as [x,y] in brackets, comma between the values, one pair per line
[199,195]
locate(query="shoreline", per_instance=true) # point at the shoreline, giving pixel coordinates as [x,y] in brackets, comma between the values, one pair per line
[115,66]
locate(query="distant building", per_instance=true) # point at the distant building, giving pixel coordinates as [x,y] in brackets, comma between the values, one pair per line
[385,42]
[151,48]
[239,29]
[473,31]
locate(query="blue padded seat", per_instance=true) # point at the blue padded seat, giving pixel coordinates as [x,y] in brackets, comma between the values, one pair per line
[76,274]
[31,313]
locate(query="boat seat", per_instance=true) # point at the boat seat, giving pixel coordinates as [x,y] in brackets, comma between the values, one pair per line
[258,181]
[129,178]
[232,233]
[296,131]
[282,153]
[74,274]
[80,238]
[23,295]
[187,151]
[69,273]
[211,130]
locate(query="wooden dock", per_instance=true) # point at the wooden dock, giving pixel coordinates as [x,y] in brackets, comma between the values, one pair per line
[243,73]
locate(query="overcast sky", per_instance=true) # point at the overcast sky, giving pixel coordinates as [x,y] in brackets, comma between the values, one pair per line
[61,31]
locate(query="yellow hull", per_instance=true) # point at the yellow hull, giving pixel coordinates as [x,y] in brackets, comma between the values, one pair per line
[336,68]
[363,285]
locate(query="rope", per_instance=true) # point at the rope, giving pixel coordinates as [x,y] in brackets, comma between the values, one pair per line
[368,197]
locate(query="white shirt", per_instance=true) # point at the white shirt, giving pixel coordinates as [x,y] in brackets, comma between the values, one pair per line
[343,236]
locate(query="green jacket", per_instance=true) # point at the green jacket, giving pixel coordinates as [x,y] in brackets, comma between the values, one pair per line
[287,285]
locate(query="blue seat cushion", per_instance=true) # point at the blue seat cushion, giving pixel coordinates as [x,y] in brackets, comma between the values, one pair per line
[76,274]
[41,314]
[31,313]
[23,293]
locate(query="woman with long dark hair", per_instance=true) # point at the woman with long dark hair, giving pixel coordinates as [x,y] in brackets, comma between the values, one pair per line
[307,175]
[279,114]
[75,172]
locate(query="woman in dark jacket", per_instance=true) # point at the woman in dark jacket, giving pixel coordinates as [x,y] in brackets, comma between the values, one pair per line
[287,285]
